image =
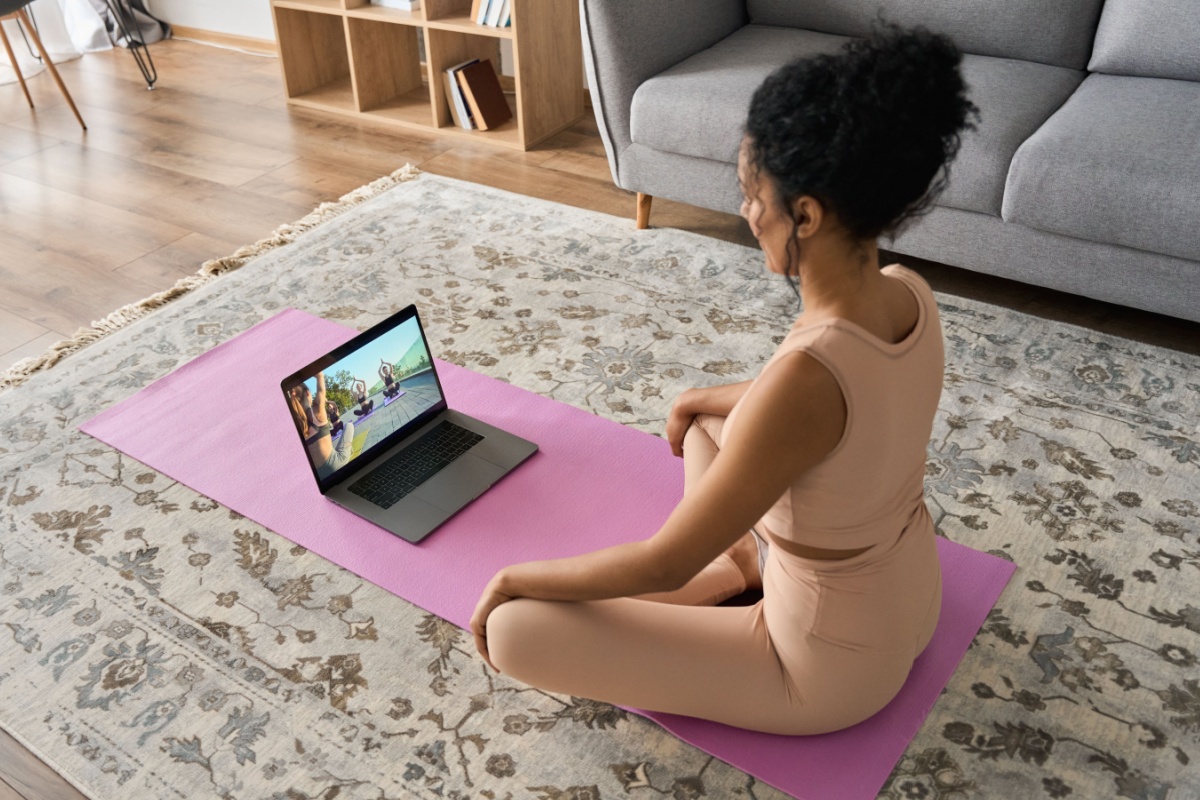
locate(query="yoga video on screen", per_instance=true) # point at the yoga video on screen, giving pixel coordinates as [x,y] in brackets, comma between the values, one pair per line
[363,398]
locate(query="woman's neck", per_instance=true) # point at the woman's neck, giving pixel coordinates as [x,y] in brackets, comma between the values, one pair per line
[836,277]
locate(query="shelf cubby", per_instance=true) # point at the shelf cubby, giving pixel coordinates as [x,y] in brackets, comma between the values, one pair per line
[316,69]
[386,70]
[350,57]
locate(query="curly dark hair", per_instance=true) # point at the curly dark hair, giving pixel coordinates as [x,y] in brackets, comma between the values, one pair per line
[869,132]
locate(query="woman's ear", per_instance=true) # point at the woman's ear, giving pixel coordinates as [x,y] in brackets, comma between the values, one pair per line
[809,214]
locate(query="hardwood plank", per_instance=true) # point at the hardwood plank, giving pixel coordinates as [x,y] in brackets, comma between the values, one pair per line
[575,190]
[29,776]
[189,67]
[309,182]
[9,793]
[62,293]
[368,146]
[86,86]
[31,349]
[165,266]
[17,143]
[194,204]
[137,137]
[73,226]
[502,173]
[588,166]
[15,331]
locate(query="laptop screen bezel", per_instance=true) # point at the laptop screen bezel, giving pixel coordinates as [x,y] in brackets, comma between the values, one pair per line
[324,362]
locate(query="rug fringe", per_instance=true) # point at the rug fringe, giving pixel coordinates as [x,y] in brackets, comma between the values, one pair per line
[24,369]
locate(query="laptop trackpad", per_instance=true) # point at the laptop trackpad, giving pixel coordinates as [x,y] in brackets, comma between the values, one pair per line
[460,482]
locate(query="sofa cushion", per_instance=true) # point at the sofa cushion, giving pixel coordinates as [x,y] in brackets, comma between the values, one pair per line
[1149,38]
[1014,99]
[699,106]
[1118,164]
[1057,32]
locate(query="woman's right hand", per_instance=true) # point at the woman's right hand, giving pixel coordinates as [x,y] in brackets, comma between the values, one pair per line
[679,419]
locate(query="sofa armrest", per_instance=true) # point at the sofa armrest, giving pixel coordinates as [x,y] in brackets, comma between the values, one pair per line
[626,42]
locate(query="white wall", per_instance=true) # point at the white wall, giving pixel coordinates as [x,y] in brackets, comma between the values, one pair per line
[251,18]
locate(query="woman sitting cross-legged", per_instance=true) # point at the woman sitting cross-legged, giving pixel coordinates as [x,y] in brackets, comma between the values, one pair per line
[806,481]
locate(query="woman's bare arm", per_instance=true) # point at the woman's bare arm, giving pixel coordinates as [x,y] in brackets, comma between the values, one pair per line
[793,420]
[318,405]
[718,400]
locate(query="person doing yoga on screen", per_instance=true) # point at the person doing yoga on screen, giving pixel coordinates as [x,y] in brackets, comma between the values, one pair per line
[390,387]
[365,405]
[311,414]
[334,415]
[806,481]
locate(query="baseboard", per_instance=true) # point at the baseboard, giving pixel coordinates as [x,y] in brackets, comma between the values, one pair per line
[263,46]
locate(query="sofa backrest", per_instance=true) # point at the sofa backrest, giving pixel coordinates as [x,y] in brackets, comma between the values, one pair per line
[1149,38]
[1057,32]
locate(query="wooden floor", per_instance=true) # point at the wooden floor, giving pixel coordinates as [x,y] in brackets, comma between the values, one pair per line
[214,159]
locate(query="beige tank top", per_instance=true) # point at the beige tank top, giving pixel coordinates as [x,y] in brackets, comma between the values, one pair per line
[870,487]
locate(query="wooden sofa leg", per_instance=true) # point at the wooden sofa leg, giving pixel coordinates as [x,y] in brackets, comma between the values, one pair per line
[643,210]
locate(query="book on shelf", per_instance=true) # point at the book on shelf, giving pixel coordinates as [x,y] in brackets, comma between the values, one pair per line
[402,5]
[495,9]
[481,89]
[493,13]
[460,112]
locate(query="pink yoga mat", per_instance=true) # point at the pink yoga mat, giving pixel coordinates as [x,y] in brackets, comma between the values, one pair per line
[594,483]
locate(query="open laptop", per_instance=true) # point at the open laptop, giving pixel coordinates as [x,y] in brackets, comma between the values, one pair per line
[383,443]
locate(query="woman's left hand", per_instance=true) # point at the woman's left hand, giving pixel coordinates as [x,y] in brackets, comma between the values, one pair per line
[492,596]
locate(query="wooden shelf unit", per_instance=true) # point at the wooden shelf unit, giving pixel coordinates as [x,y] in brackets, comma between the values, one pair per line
[349,57]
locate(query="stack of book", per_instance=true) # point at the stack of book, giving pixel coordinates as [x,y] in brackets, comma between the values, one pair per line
[474,94]
[403,5]
[497,13]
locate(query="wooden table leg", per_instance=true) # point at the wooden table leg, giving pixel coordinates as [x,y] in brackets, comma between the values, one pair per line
[643,210]
[32,31]
[13,58]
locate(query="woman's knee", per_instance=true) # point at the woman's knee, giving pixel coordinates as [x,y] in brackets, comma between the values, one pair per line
[512,632]
[709,425]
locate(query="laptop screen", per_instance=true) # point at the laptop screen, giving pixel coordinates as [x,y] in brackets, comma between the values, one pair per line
[373,391]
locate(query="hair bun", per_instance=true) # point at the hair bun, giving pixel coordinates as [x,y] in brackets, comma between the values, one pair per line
[870,131]
[912,75]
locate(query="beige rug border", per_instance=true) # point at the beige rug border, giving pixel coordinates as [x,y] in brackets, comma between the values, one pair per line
[208,272]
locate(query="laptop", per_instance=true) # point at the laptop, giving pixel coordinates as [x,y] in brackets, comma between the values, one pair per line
[375,428]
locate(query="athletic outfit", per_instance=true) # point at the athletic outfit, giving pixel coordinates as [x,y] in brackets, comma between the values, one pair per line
[832,641]
[367,406]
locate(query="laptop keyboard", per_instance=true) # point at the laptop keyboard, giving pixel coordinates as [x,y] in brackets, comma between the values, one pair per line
[415,464]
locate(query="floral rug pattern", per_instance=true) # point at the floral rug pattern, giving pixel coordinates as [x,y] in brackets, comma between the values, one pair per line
[156,644]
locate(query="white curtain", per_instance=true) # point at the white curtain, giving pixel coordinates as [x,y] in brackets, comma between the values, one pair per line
[68,29]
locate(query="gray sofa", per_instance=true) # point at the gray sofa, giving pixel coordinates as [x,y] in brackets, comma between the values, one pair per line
[1084,174]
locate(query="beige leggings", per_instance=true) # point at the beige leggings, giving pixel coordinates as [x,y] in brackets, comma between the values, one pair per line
[830,643]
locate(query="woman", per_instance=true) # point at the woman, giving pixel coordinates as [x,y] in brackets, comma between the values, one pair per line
[311,415]
[390,387]
[821,457]
[335,418]
[365,406]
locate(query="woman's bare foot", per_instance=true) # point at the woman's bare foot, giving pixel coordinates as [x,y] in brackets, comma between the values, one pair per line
[745,554]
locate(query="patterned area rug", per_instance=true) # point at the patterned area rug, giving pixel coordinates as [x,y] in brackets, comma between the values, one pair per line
[157,645]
